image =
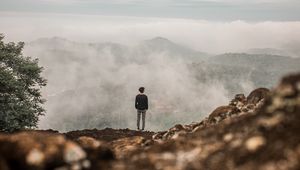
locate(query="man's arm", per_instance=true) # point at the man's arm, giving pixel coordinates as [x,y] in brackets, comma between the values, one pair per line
[146,103]
[136,102]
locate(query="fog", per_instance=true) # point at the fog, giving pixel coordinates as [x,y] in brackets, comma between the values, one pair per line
[202,35]
[95,65]
[94,86]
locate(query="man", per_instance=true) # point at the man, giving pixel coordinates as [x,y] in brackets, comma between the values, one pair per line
[141,104]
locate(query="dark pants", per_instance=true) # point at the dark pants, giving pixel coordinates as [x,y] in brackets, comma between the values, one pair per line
[139,113]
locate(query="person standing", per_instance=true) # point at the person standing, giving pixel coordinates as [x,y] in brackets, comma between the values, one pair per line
[141,104]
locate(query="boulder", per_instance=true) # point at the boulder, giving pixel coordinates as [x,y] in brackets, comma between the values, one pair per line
[258,94]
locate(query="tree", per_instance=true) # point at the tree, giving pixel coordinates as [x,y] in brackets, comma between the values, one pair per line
[20,88]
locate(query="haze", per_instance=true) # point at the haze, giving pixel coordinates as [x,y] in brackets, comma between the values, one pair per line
[97,53]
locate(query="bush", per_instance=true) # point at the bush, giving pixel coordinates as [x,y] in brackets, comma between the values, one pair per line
[20,85]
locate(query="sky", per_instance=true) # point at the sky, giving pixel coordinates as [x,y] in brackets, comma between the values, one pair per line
[221,10]
[213,26]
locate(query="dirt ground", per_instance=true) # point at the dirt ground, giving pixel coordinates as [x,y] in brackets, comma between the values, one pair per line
[108,134]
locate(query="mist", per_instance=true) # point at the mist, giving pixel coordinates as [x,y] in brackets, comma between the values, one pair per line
[95,65]
[94,85]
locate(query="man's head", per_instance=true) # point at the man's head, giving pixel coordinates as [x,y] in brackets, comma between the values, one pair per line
[142,89]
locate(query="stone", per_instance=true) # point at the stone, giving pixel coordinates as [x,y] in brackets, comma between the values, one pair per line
[254,143]
[228,137]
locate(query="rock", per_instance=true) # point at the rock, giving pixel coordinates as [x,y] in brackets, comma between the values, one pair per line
[124,146]
[73,153]
[196,129]
[88,142]
[248,108]
[228,137]
[258,94]
[254,143]
[238,101]
[221,113]
[179,134]
[158,135]
[177,127]
[35,157]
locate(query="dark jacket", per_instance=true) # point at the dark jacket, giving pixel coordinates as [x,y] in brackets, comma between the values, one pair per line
[141,102]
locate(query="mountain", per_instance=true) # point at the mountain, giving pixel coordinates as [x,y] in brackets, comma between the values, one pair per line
[160,44]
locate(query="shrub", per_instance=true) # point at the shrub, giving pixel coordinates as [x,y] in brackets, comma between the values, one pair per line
[20,88]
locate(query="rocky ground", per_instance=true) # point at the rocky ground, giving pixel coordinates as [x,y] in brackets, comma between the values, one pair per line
[260,131]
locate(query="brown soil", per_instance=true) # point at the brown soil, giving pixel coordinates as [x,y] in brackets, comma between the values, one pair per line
[108,134]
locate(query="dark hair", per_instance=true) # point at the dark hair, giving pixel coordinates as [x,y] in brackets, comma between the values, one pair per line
[142,89]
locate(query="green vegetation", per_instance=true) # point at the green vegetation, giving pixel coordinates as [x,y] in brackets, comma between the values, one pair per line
[20,85]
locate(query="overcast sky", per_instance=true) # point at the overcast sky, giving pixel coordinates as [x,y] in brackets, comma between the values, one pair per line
[221,10]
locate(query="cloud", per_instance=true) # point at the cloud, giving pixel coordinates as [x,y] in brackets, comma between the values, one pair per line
[207,36]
